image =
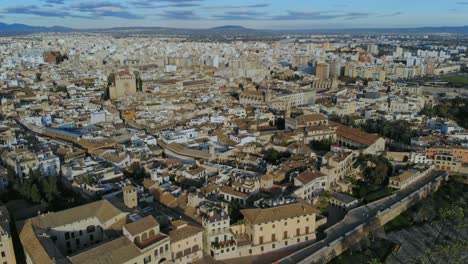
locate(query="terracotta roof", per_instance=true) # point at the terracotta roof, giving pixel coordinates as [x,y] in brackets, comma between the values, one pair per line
[120,250]
[312,118]
[33,246]
[402,177]
[141,225]
[183,232]
[356,135]
[231,191]
[309,175]
[103,210]
[258,216]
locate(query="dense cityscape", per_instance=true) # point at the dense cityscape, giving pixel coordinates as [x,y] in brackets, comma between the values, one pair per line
[233,145]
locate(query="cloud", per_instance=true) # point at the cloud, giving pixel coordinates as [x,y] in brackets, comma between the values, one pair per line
[240,15]
[35,10]
[307,15]
[152,4]
[105,9]
[392,14]
[179,14]
[235,7]
[356,15]
[56,2]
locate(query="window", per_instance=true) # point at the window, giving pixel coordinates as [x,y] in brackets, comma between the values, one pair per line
[307,230]
[273,226]
[273,237]
[91,237]
[166,247]
[73,234]
[298,232]
[67,235]
[285,235]
[261,248]
[3,254]
[90,229]
[298,221]
[81,232]
[77,242]
[273,246]
[261,228]
[261,239]
[285,223]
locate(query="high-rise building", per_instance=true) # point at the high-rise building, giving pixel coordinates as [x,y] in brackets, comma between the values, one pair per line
[322,71]
[398,52]
[373,49]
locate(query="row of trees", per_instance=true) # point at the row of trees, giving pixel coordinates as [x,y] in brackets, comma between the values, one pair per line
[400,131]
[35,188]
[454,109]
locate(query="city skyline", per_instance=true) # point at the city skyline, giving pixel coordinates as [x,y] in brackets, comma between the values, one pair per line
[317,14]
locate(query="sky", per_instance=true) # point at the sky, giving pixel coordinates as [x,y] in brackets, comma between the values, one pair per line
[257,14]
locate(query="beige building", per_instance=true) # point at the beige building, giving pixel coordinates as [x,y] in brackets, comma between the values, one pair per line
[310,184]
[358,139]
[186,242]
[7,253]
[337,165]
[98,233]
[123,86]
[270,229]
[307,120]
[322,71]
[408,177]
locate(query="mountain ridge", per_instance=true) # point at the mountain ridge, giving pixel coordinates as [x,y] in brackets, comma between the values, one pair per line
[20,29]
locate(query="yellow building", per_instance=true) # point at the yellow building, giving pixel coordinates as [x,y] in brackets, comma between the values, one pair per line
[269,229]
[7,253]
[186,242]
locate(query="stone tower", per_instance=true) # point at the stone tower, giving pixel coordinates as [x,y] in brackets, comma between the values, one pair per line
[130,196]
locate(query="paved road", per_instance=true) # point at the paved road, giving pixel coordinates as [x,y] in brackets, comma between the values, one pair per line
[360,215]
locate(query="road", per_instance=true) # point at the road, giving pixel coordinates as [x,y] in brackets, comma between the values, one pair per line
[358,216]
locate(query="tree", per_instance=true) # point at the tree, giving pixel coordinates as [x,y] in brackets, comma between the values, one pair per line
[50,188]
[234,211]
[374,261]
[271,156]
[35,195]
[136,171]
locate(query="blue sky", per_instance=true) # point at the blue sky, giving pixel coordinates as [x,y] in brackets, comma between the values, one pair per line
[267,14]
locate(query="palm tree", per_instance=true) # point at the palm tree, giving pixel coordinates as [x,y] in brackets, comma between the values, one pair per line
[374,261]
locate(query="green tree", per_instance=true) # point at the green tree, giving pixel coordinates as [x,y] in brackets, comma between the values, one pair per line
[272,156]
[35,194]
[234,211]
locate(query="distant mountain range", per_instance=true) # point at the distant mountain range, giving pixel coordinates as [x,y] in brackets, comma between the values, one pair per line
[20,29]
